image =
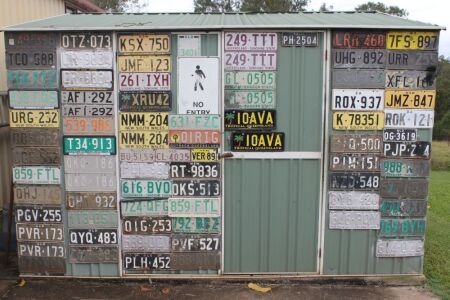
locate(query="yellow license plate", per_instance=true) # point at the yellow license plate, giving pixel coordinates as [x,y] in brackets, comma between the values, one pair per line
[144,43]
[409,98]
[204,155]
[143,139]
[358,120]
[48,118]
[143,121]
[425,40]
[145,63]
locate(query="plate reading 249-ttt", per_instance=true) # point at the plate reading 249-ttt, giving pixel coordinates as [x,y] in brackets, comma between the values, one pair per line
[354,181]
[251,41]
[250,60]
[358,120]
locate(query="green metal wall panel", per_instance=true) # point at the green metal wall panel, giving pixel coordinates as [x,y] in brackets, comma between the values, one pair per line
[272,205]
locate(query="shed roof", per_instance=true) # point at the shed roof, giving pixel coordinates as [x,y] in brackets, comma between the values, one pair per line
[195,21]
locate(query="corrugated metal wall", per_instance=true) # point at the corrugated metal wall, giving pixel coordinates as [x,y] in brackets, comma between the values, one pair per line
[272,206]
[5,155]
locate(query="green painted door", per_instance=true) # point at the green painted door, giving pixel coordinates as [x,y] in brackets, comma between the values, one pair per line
[272,199]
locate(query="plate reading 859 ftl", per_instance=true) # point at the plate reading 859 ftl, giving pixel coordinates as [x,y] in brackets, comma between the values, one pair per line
[354,181]
[358,120]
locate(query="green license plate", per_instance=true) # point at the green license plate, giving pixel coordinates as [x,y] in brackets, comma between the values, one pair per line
[196,225]
[105,145]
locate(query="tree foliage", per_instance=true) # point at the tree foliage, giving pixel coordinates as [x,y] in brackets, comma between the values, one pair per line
[120,5]
[442,109]
[381,7]
[324,7]
[219,6]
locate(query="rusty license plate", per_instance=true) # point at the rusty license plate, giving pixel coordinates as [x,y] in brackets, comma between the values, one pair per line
[391,188]
[36,156]
[42,265]
[411,60]
[26,40]
[403,208]
[88,126]
[93,254]
[195,261]
[87,97]
[35,137]
[37,194]
[366,143]
[91,200]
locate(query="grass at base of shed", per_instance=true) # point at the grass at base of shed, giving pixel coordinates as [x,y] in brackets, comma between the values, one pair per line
[437,244]
[440,155]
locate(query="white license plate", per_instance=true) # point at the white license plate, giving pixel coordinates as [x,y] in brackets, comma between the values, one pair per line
[36,175]
[90,182]
[353,200]
[194,122]
[144,170]
[88,110]
[154,155]
[348,219]
[399,248]
[86,59]
[357,99]
[408,118]
[194,207]
[251,41]
[250,60]
[89,164]
[157,243]
[87,79]
[144,81]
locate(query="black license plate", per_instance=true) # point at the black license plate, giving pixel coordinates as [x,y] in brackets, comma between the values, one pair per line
[405,149]
[354,181]
[194,170]
[254,119]
[191,188]
[41,214]
[145,101]
[92,236]
[400,135]
[146,261]
[146,225]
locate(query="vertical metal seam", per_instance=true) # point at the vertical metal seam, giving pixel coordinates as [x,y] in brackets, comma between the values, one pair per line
[222,161]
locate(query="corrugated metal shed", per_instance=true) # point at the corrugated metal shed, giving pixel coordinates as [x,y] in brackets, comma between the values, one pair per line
[182,21]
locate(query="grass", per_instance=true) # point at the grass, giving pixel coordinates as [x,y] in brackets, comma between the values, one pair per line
[440,155]
[437,243]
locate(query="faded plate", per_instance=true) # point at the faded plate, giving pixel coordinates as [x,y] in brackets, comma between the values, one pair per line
[353,200]
[95,59]
[89,164]
[400,135]
[354,162]
[197,207]
[193,122]
[366,143]
[358,120]
[250,41]
[143,121]
[40,249]
[144,139]
[407,149]
[402,227]
[194,170]
[196,225]
[405,168]
[33,99]
[250,119]
[357,99]
[250,99]
[391,188]
[403,208]
[37,194]
[411,60]
[250,60]
[347,219]
[194,188]
[32,79]
[144,170]
[358,58]
[89,145]
[87,97]
[42,265]
[86,40]
[250,80]
[79,182]
[48,118]
[88,126]
[352,39]
[399,248]
[157,243]
[144,81]
[196,242]
[26,40]
[195,261]
[348,78]
[40,232]
[93,254]
[411,40]
[145,101]
[144,63]
[409,79]
[92,219]
[90,80]
[354,181]
[36,175]
[94,200]
[36,156]
[38,213]
[87,110]
[409,118]
[145,188]
[194,138]
[144,43]
[144,207]
[35,137]
[410,99]
[154,155]
[92,236]
[146,225]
